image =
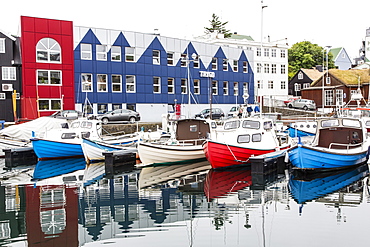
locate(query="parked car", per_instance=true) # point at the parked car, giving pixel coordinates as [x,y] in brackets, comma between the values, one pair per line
[120,115]
[217,113]
[233,111]
[67,114]
[286,102]
[305,104]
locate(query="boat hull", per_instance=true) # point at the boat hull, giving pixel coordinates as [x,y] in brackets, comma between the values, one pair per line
[150,153]
[304,157]
[221,155]
[293,132]
[48,149]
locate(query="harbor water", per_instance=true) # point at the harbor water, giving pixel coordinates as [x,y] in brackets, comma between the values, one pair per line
[181,205]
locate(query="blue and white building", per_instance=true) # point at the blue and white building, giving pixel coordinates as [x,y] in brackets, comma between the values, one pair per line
[150,73]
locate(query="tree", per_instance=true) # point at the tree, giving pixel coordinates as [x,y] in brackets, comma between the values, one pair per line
[307,55]
[217,27]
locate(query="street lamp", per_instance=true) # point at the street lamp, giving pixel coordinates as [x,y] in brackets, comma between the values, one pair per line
[326,49]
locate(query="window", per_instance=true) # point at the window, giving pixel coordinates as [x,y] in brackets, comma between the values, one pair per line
[130,84]
[224,64]
[102,82]
[116,106]
[2,45]
[86,53]
[329,99]
[236,88]
[245,67]
[245,89]
[282,69]
[235,65]
[2,96]
[48,51]
[266,52]
[306,85]
[339,97]
[129,54]
[184,86]
[259,84]
[156,84]
[282,85]
[86,82]
[102,108]
[116,83]
[214,63]
[170,57]
[250,124]
[196,62]
[8,73]
[270,84]
[282,53]
[327,80]
[156,57]
[226,87]
[297,87]
[273,68]
[300,75]
[259,67]
[214,87]
[273,52]
[171,85]
[243,138]
[196,86]
[115,53]
[50,104]
[101,52]
[267,68]
[49,77]
[258,52]
[256,137]
[183,62]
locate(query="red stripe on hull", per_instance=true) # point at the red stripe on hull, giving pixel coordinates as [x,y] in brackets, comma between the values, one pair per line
[221,155]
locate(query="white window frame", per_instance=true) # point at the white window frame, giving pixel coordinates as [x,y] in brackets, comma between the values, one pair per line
[258,52]
[329,98]
[224,64]
[170,58]
[50,108]
[266,52]
[339,97]
[214,87]
[214,63]
[85,83]
[156,57]
[183,60]
[184,86]
[51,48]
[236,88]
[259,67]
[196,86]
[273,68]
[245,88]
[282,53]
[86,51]
[171,85]
[282,85]
[2,45]
[9,73]
[259,84]
[270,84]
[156,84]
[283,69]
[116,53]
[267,68]
[116,84]
[226,87]
[102,83]
[245,67]
[49,77]
[235,65]
[273,52]
[306,85]
[129,54]
[130,84]
[101,52]
[297,87]
[300,75]
[2,96]
[196,63]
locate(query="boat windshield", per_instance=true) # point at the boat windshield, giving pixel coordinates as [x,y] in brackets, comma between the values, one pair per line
[267,125]
[351,122]
[330,123]
[75,125]
[86,124]
[249,124]
[232,125]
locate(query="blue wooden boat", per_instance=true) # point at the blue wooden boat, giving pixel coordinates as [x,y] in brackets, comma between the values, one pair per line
[304,189]
[49,149]
[52,168]
[339,143]
[294,132]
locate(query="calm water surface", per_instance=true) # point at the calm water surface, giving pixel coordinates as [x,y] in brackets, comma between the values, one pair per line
[182,205]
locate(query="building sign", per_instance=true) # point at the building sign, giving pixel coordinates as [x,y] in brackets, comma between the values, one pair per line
[207,74]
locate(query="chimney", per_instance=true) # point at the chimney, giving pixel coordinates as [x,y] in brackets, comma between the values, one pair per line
[319,68]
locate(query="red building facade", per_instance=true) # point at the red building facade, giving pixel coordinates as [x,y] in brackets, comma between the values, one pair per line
[47,66]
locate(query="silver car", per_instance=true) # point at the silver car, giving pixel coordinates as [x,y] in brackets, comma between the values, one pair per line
[305,104]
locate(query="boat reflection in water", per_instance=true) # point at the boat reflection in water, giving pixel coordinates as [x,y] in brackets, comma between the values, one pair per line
[330,187]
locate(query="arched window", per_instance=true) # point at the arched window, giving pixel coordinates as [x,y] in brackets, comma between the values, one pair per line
[48,51]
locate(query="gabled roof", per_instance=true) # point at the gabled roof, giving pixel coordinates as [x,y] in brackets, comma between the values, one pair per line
[7,35]
[335,52]
[349,77]
[313,74]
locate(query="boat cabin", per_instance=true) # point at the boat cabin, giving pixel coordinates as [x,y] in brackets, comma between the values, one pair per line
[192,130]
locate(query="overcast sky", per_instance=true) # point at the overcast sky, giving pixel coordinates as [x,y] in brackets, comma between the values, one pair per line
[323,22]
